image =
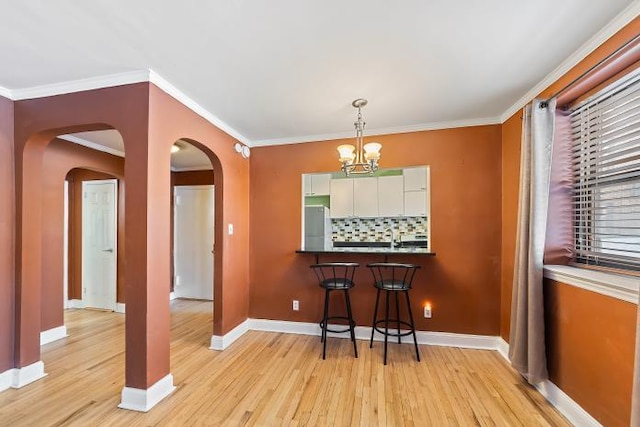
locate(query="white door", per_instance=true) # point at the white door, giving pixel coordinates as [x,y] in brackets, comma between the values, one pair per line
[99,231]
[193,241]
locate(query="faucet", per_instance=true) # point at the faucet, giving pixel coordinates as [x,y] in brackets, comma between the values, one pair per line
[393,237]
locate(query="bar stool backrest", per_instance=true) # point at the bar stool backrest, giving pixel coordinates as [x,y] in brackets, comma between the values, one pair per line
[335,275]
[393,276]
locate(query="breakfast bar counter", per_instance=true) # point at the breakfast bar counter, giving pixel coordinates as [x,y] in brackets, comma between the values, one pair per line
[368,250]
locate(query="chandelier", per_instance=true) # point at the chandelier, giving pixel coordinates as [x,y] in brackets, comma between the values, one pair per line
[363,158]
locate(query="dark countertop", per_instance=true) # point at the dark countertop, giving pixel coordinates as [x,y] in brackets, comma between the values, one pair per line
[369,250]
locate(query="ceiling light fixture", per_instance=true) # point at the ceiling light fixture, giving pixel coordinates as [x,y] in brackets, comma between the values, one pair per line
[363,158]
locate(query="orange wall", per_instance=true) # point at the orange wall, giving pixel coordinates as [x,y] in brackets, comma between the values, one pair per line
[511,130]
[7,228]
[565,364]
[591,347]
[59,158]
[462,281]
[169,121]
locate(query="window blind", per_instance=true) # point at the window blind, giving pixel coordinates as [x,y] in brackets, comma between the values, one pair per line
[606,171]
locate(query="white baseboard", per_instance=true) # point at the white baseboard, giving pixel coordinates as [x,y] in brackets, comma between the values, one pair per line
[576,415]
[53,334]
[503,348]
[27,374]
[172,296]
[75,303]
[6,379]
[482,342]
[136,399]
[566,405]
[222,342]
[120,307]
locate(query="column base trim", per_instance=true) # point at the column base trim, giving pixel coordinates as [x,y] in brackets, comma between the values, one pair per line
[135,399]
[20,377]
[222,342]
[53,334]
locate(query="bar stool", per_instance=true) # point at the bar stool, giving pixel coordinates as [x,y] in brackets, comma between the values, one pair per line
[393,278]
[336,276]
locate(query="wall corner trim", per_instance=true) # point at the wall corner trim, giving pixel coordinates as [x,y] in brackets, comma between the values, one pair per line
[53,334]
[222,342]
[135,399]
[27,374]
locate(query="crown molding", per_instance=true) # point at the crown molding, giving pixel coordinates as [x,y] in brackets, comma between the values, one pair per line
[180,96]
[192,169]
[622,19]
[6,93]
[381,131]
[80,85]
[92,145]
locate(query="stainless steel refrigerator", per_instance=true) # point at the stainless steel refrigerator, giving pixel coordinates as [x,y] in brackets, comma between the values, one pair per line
[317,228]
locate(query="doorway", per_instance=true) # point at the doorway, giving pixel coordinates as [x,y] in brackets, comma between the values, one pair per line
[193,241]
[99,244]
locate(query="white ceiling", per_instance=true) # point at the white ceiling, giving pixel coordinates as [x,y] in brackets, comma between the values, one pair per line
[287,70]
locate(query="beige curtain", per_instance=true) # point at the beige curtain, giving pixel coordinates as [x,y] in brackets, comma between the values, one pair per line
[526,341]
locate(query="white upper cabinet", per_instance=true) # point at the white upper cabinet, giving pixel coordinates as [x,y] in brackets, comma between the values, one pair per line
[341,198]
[416,195]
[391,196]
[415,179]
[415,203]
[365,202]
[318,184]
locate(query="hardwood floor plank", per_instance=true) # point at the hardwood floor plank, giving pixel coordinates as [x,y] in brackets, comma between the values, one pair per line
[272,379]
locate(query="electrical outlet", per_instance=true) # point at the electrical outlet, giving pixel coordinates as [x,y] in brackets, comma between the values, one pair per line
[296,305]
[427,311]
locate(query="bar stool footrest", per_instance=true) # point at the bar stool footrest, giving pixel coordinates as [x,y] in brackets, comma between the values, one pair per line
[393,333]
[335,331]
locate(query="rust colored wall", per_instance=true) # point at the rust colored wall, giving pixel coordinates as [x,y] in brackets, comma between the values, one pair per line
[575,370]
[590,349]
[7,228]
[462,281]
[75,178]
[192,178]
[59,158]
[511,135]
[169,121]
[37,122]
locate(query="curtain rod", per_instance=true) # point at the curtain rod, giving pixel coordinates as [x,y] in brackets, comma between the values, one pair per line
[545,103]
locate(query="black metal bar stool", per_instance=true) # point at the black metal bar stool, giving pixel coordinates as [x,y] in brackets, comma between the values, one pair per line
[336,276]
[393,278]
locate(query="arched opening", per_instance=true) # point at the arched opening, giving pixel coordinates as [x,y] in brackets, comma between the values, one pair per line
[50,160]
[193,230]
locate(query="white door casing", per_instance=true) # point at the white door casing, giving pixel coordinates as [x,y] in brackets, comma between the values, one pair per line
[193,241]
[99,243]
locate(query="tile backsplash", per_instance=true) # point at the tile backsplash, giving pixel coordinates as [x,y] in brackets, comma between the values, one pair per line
[376,229]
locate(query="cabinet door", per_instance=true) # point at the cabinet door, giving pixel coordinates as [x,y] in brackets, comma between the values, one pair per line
[390,196]
[415,203]
[321,184]
[415,179]
[307,184]
[341,198]
[365,192]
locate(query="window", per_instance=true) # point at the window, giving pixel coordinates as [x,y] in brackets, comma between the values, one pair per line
[606,171]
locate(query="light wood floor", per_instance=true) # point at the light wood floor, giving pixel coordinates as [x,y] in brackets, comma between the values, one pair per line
[271,379]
